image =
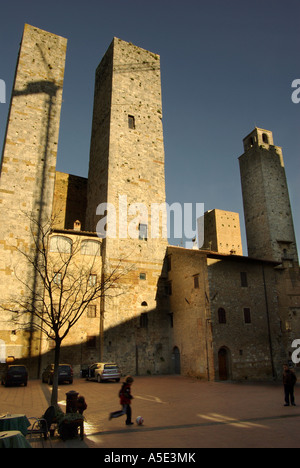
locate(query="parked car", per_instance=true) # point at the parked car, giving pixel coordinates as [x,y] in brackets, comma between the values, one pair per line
[14,375]
[102,371]
[65,374]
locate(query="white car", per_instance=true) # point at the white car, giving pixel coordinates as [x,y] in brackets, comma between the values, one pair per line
[102,371]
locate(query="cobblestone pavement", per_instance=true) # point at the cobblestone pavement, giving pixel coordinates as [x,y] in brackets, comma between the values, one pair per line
[179,412]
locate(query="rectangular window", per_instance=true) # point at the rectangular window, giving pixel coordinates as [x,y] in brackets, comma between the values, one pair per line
[247,315]
[144,321]
[57,279]
[131,122]
[196,281]
[168,288]
[143,232]
[91,342]
[91,312]
[244,280]
[222,316]
[92,280]
[143,276]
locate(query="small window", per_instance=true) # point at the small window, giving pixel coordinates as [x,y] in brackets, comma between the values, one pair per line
[57,279]
[244,280]
[92,280]
[168,288]
[143,232]
[196,281]
[91,342]
[265,138]
[144,321]
[131,122]
[222,316]
[247,315]
[91,312]
[143,276]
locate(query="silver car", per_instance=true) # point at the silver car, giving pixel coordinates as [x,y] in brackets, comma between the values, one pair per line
[102,371]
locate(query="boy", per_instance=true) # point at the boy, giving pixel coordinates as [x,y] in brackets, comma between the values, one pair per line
[125,401]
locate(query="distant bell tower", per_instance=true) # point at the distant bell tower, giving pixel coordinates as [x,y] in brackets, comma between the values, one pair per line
[267,208]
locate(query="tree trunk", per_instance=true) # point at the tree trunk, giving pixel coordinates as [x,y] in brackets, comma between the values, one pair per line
[54,395]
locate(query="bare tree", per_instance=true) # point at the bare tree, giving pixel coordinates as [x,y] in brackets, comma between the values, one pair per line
[63,285]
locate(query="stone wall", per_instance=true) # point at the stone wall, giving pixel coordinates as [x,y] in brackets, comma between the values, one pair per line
[127,172]
[189,305]
[28,169]
[222,232]
[69,202]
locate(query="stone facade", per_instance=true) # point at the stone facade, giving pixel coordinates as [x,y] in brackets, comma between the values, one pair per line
[225,306]
[69,202]
[222,232]
[28,168]
[127,172]
[209,313]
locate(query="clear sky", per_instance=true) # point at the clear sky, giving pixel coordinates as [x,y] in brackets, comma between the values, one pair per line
[227,66]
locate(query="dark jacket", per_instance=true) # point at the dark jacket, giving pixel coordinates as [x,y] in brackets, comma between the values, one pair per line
[289,378]
[125,394]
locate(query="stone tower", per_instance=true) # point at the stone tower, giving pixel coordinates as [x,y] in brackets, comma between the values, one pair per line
[28,169]
[127,172]
[267,208]
[222,232]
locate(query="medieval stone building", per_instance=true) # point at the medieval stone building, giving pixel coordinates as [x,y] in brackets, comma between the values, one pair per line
[211,312]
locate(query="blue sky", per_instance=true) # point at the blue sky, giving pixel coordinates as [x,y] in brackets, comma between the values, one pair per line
[227,66]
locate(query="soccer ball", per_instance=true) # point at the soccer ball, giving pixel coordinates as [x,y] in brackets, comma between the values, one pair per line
[139,420]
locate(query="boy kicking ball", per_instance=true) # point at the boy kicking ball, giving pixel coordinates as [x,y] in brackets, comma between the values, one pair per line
[125,401]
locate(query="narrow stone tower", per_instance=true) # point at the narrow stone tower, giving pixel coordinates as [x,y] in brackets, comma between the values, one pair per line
[267,208]
[28,170]
[127,172]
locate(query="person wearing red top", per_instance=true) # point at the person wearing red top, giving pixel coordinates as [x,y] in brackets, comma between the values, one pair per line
[125,401]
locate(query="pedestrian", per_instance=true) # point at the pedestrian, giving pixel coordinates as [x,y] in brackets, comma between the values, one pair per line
[289,382]
[125,401]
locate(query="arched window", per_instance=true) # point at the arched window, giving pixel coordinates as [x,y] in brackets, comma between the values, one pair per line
[265,138]
[222,315]
[90,247]
[60,244]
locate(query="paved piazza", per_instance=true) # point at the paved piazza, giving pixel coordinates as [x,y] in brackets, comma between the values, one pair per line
[179,412]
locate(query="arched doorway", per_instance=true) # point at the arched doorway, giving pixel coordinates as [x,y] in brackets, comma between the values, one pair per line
[176,360]
[224,363]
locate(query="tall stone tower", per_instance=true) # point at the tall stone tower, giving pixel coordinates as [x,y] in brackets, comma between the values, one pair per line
[28,170]
[267,208]
[127,172]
